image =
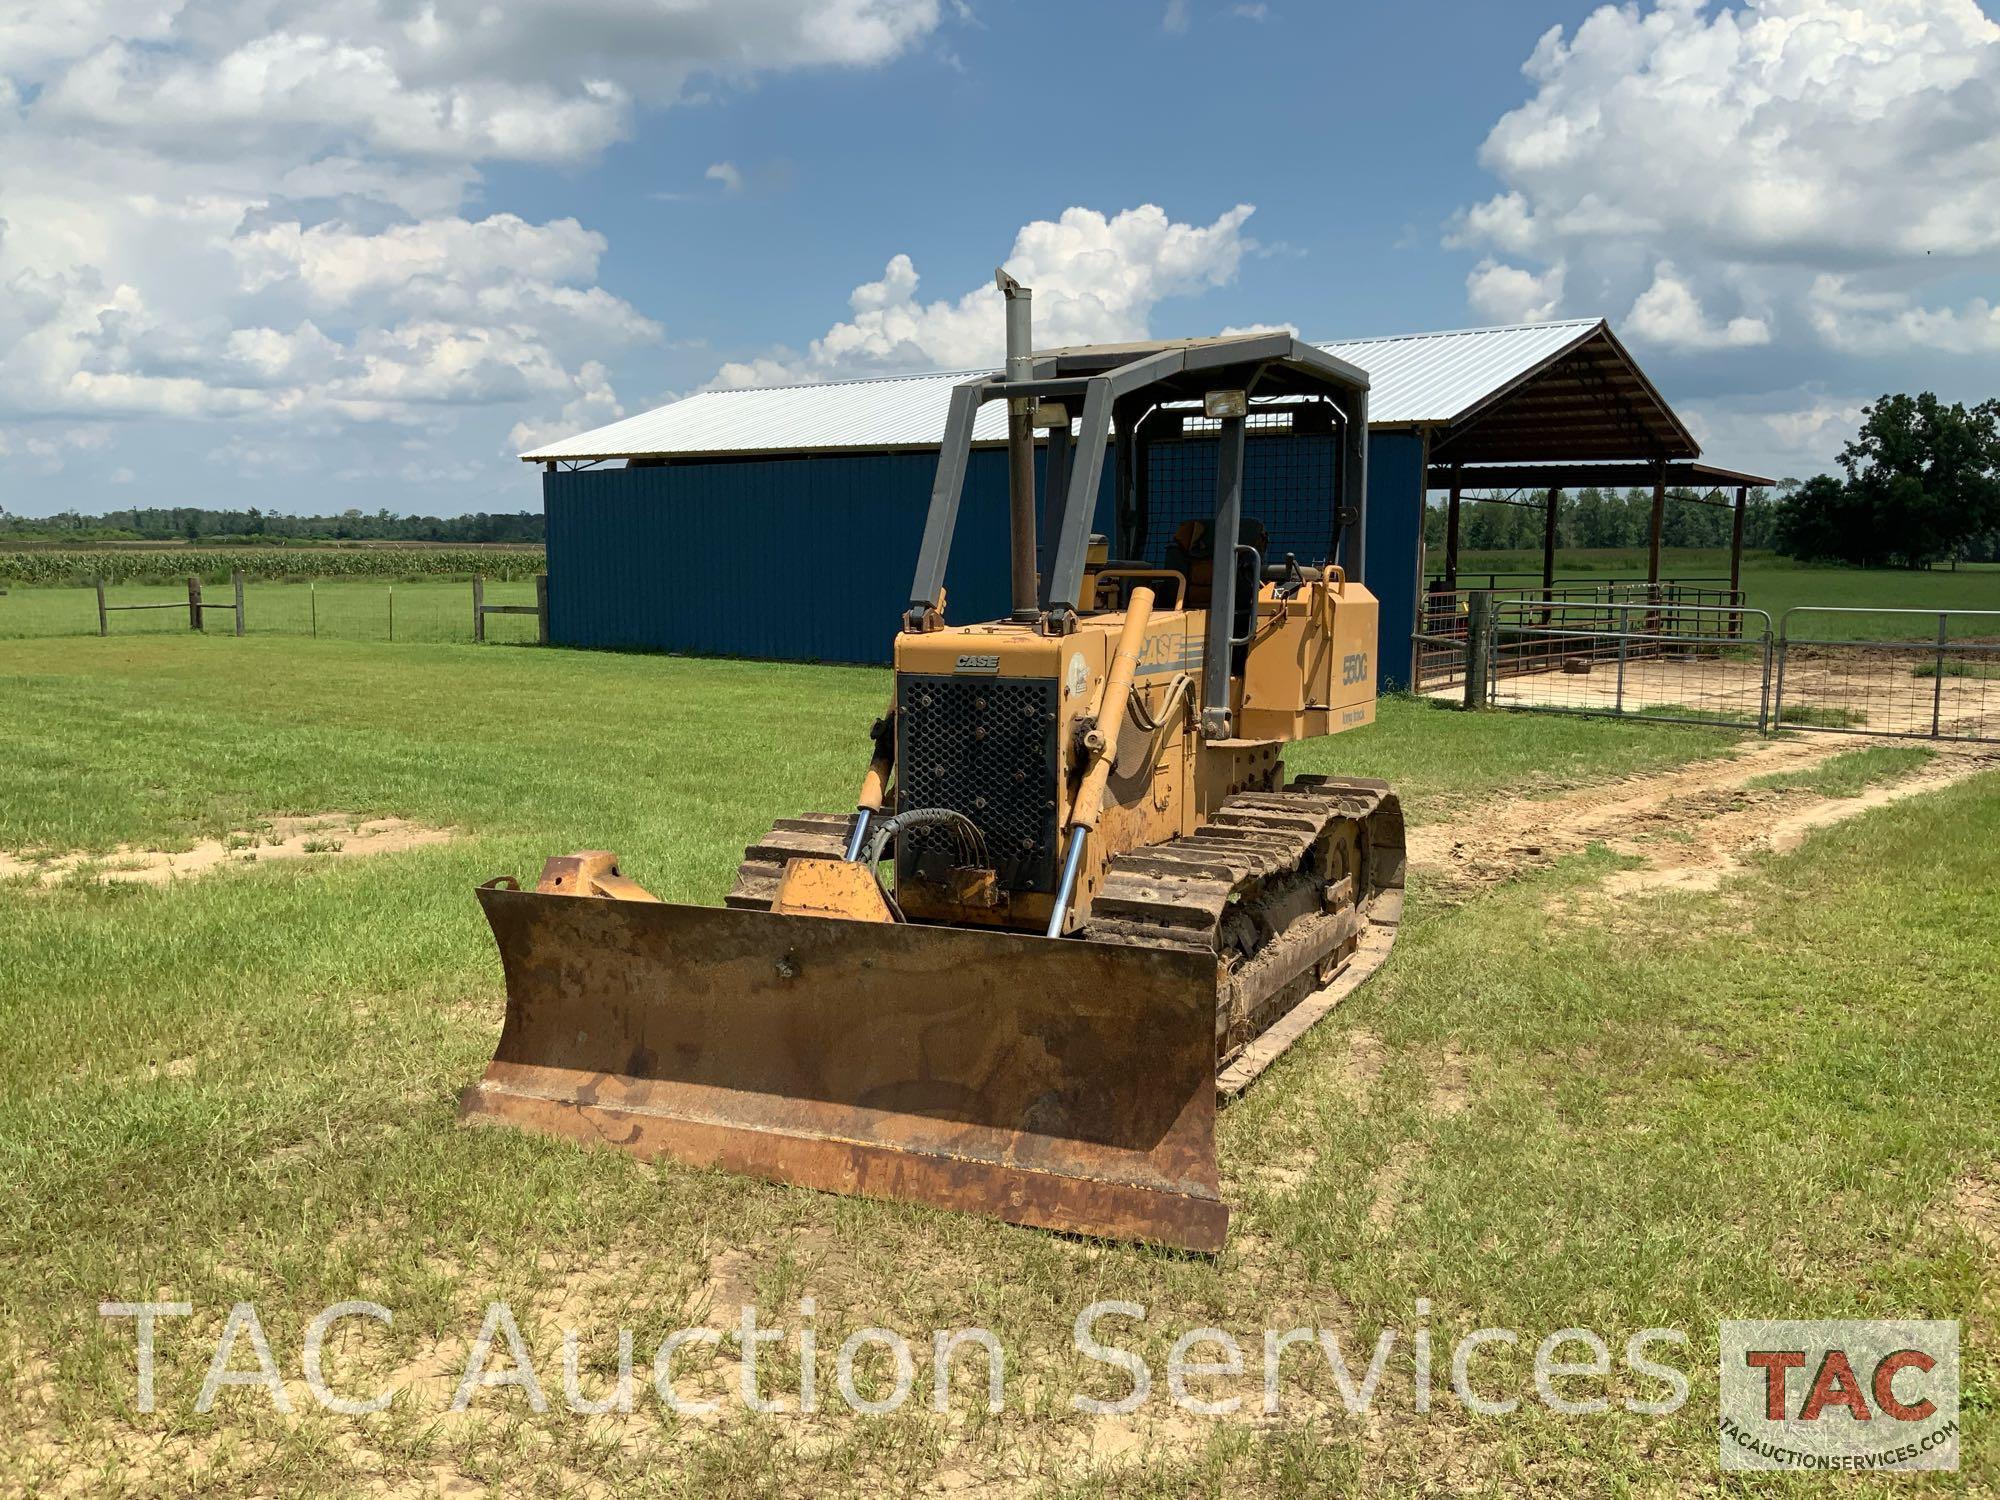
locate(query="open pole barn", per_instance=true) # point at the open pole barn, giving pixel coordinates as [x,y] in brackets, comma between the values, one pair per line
[783,522]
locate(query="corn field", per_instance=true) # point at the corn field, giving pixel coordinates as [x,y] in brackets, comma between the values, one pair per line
[54,566]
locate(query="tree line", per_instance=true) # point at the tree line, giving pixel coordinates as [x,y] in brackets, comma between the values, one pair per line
[1593,517]
[193,523]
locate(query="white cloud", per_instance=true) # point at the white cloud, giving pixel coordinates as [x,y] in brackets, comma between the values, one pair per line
[1668,312]
[1095,279]
[255,210]
[728,174]
[1176,19]
[1509,294]
[1761,144]
[1784,434]
[37,34]
[282,87]
[1864,322]
[593,404]
[47,447]
[532,80]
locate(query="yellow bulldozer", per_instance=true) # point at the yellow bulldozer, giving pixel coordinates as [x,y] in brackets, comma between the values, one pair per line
[1105,907]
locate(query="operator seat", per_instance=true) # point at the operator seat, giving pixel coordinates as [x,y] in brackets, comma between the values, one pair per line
[1192,551]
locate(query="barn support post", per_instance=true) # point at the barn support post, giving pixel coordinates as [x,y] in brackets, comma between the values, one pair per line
[478,610]
[1451,534]
[1653,531]
[541,609]
[1736,544]
[1549,547]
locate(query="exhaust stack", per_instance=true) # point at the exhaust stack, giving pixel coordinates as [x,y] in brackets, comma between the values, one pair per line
[1020,446]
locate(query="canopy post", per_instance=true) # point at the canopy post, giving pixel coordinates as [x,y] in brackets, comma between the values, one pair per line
[1451,533]
[1653,531]
[1549,541]
[1736,545]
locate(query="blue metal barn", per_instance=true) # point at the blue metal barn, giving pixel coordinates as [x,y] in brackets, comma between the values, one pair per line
[662,526]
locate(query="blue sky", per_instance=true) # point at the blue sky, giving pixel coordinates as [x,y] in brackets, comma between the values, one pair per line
[314,254]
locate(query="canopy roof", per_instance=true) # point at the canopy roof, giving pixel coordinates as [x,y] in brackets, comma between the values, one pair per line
[1588,475]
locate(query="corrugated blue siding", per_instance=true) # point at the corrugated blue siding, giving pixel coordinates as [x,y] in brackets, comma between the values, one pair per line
[1396,549]
[810,559]
[803,559]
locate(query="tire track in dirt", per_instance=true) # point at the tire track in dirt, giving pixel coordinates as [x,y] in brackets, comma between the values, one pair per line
[1691,826]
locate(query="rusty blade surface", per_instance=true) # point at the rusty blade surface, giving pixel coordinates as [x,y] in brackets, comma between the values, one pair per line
[1064,1084]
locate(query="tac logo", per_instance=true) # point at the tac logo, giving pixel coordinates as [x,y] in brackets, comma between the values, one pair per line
[1839,1395]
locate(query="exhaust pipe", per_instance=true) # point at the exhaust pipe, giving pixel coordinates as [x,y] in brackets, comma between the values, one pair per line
[1020,447]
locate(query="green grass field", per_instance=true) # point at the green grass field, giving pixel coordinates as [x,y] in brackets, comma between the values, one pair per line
[1540,1115]
[334,609]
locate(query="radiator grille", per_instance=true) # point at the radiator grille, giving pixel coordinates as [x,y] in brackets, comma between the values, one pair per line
[985,747]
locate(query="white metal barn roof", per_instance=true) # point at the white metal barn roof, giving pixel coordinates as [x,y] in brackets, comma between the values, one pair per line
[1425,379]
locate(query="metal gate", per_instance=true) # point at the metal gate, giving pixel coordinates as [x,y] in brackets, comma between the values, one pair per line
[1677,663]
[1914,673]
[1922,674]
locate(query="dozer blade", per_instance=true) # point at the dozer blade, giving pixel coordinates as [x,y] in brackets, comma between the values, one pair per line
[1064,1084]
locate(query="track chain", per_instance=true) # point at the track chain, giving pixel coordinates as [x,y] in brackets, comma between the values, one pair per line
[1233,888]
[808,836]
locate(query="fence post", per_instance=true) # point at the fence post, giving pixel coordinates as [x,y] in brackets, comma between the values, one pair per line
[236,581]
[103,620]
[312,603]
[1937,684]
[1478,645]
[1624,641]
[392,611]
[194,601]
[478,610]
[1776,719]
[1765,712]
[541,609]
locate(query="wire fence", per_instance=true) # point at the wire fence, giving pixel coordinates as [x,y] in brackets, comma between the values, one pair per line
[1940,680]
[1682,663]
[1907,673]
[1442,623]
[330,609]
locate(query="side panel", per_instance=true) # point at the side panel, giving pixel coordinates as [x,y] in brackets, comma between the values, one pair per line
[792,559]
[1395,548]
